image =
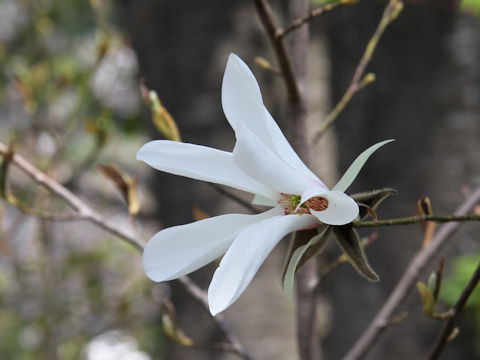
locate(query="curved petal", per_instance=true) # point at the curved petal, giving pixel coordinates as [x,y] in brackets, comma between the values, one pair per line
[179,250]
[201,163]
[246,255]
[243,106]
[357,165]
[309,193]
[258,161]
[341,210]
[285,151]
[241,99]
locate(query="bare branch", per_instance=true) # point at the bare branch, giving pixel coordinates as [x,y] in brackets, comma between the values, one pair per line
[455,311]
[87,213]
[407,281]
[416,219]
[75,202]
[313,14]
[358,81]
[273,31]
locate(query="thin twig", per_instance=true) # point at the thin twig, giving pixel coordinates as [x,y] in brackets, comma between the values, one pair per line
[45,215]
[358,81]
[313,14]
[456,310]
[417,219]
[87,213]
[273,30]
[407,281]
[70,198]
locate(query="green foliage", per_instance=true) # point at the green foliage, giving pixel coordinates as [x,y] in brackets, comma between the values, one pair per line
[453,285]
[472,6]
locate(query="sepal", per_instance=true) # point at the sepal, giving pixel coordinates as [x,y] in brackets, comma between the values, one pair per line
[371,199]
[349,241]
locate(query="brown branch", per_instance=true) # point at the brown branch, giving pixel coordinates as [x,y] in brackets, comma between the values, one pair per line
[415,220]
[312,15]
[273,31]
[455,311]
[87,213]
[407,281]
[70,198]
[358,82]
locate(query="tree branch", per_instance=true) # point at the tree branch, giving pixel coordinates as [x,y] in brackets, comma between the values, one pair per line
[416,219]
[407,281]
[313,14]
[391,12]
[455,311]
[87,213]
[273,30]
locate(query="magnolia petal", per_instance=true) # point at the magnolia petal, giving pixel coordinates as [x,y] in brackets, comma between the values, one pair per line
[263,201]
[246,255]
[357,165]
[243,106]
[284,150]
[179,250]
[342,209]
[258,161]
[242,101]
[201,163]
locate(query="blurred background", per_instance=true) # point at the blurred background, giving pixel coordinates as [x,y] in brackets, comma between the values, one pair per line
[70,101]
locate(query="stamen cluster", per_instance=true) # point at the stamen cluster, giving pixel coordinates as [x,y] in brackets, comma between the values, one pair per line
[290,204]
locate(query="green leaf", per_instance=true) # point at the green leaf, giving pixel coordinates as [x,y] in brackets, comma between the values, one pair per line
[472,6]
[349,241]
[318,240]
[356,166]
[162,119]
[453,285]
[428,301]
[172,330]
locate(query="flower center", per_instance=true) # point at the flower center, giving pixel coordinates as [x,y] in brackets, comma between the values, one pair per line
[317,203]
[290,203]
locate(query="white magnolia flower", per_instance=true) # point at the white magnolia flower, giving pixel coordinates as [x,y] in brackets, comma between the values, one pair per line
[262,163]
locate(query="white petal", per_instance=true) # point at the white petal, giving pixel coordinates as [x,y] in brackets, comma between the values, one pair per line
[247,254]
[258,161]
[263,201]
[201,163]
[341,210]
[241,99]
[285,151]
[309,193]
[179,250]
[243,106]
